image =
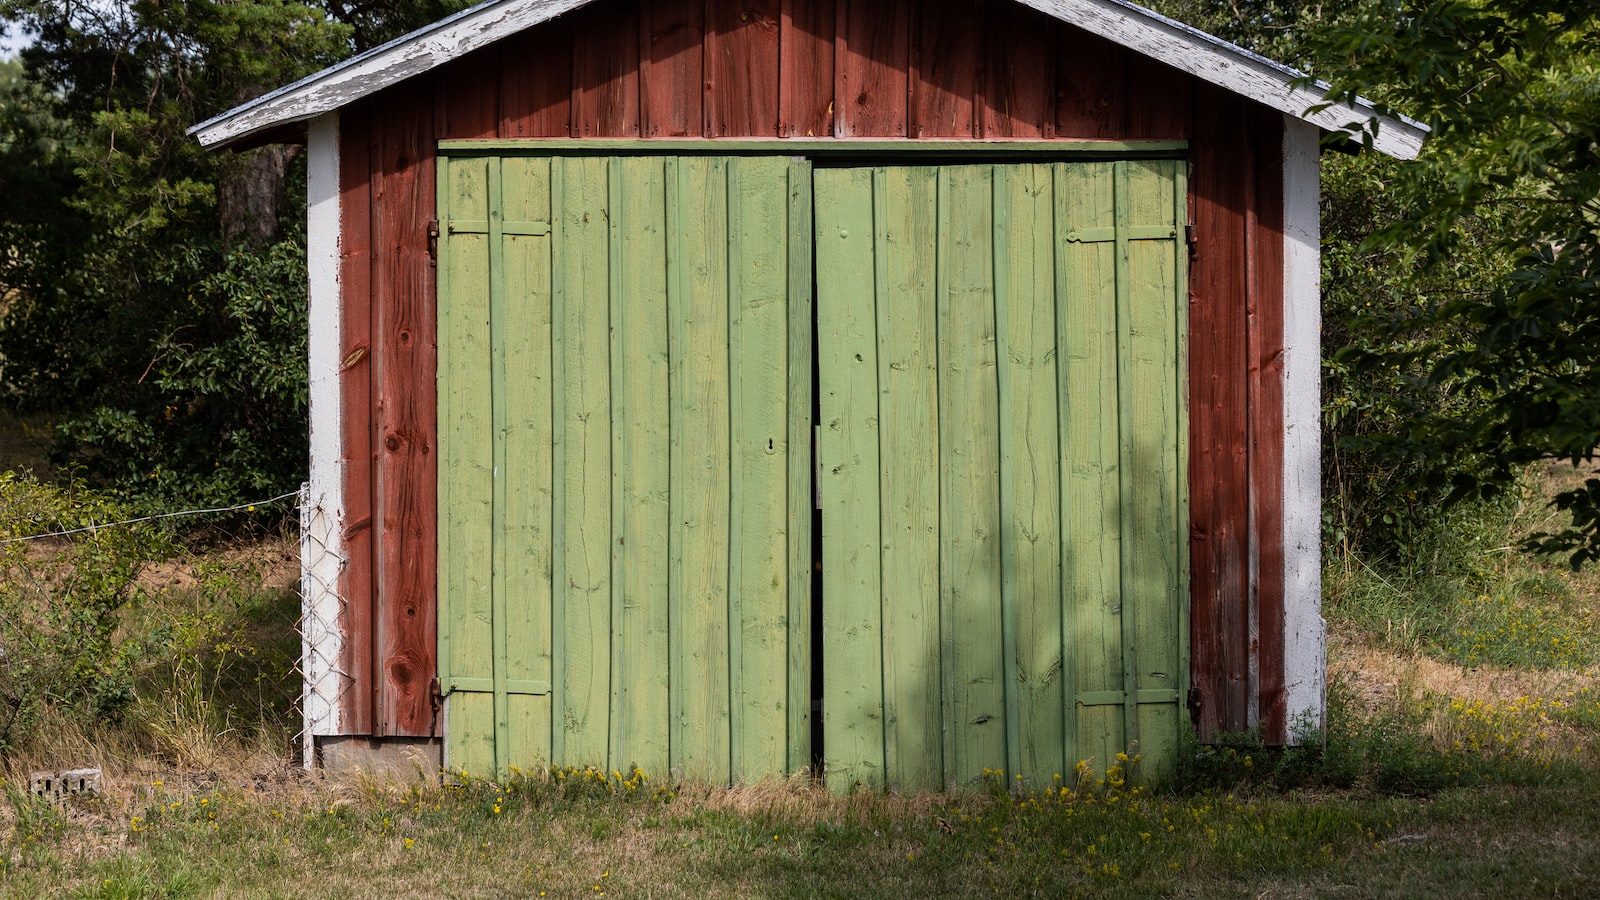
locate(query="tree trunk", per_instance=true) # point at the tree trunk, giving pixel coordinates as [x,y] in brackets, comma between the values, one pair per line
[251,196]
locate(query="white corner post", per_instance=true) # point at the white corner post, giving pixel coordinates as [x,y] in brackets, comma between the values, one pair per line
[1305,648]
[322,556]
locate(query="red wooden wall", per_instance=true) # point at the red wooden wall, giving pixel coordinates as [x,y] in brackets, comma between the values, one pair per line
[811,69]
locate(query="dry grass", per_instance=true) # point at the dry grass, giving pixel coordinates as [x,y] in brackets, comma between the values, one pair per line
[191,809]
[1381,678]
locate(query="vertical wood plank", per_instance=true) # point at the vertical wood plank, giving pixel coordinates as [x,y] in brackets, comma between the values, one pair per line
[742,40]
[560,581]
[619,634]
[605,89]
[584,251]
[946,62]
[1030,473]
[802,327]
[1158,102]
[671,99]
[1000,235]
[1091,87]
[405,417]
[1128,436]
[1266,301]
[357,583]
[536,86]
[736,469]
[909,398]
[871,62]
[529,471]
[806,68]
[643,433]
[468,96]
[759,270]
[466,468]
[1155,580]
[1020,79]
[498,559]
[704,436]
[1218,439]
[1091,526]
[969,468]
[852,579]
[676,191]
[1181,518]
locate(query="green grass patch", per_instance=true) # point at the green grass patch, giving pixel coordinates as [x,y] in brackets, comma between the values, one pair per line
[1465,593]
[535,835]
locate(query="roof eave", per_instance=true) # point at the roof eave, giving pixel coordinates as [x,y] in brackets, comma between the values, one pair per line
[378,68]
[1168,41]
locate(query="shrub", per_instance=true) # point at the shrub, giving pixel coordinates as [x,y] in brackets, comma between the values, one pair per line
[60,602]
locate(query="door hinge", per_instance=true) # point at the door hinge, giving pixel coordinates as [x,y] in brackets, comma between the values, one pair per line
[436,698]
[1194,704]
[433,242]
[1191,234]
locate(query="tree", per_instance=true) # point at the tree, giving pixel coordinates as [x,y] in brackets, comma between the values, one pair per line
[154,293]
[1505,372]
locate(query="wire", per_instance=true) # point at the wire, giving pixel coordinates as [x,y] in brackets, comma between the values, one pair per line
[170,515]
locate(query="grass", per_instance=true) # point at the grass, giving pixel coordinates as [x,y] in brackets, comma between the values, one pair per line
[539,835]
[1461,758]
[1464,593]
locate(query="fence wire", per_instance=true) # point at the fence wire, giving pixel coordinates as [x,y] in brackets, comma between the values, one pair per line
[207,633]
[322,608]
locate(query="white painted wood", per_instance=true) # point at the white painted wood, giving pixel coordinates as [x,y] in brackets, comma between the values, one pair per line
[1229,67]
[380,67]
[1304,632]
[1173,43]
[322,553]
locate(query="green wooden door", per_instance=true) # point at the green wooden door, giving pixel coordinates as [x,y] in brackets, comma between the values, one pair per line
[625,493]
[1003,469]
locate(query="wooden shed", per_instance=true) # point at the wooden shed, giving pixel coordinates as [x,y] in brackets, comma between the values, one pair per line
[720,388]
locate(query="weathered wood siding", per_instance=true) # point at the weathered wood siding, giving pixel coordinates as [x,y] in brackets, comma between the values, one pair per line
[1002,469]
[795,68]
[625,534]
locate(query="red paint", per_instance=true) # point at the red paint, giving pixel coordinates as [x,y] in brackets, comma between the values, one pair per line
[404,415]
[671,51]
[605,73]
[946,68]
[469,96]
[806,68]
[742,84]
[355,411]
[536,100]
[871,68]
[809,68]
[1020,83]
[1091,87]
[1266,416]
[1218,384]
[1164,116]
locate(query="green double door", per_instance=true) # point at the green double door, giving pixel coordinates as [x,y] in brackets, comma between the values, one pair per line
[654,369]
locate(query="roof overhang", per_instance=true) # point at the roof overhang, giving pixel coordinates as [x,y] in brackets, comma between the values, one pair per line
[1167,41]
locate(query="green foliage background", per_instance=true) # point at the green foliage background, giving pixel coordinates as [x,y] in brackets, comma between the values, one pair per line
[1461,320]
[170,351]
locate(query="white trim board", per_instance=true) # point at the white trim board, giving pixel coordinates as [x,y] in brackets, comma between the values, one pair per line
[322,553]
[1164,40]
[1304,633]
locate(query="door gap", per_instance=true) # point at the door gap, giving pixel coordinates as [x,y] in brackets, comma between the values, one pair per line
[817,755]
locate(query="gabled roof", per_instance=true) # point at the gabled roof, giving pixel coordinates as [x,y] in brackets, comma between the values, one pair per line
[1158,37]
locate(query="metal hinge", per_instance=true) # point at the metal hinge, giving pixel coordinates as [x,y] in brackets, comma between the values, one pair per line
[433,241]
[1191,234]
[1194,704]
[436,698]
